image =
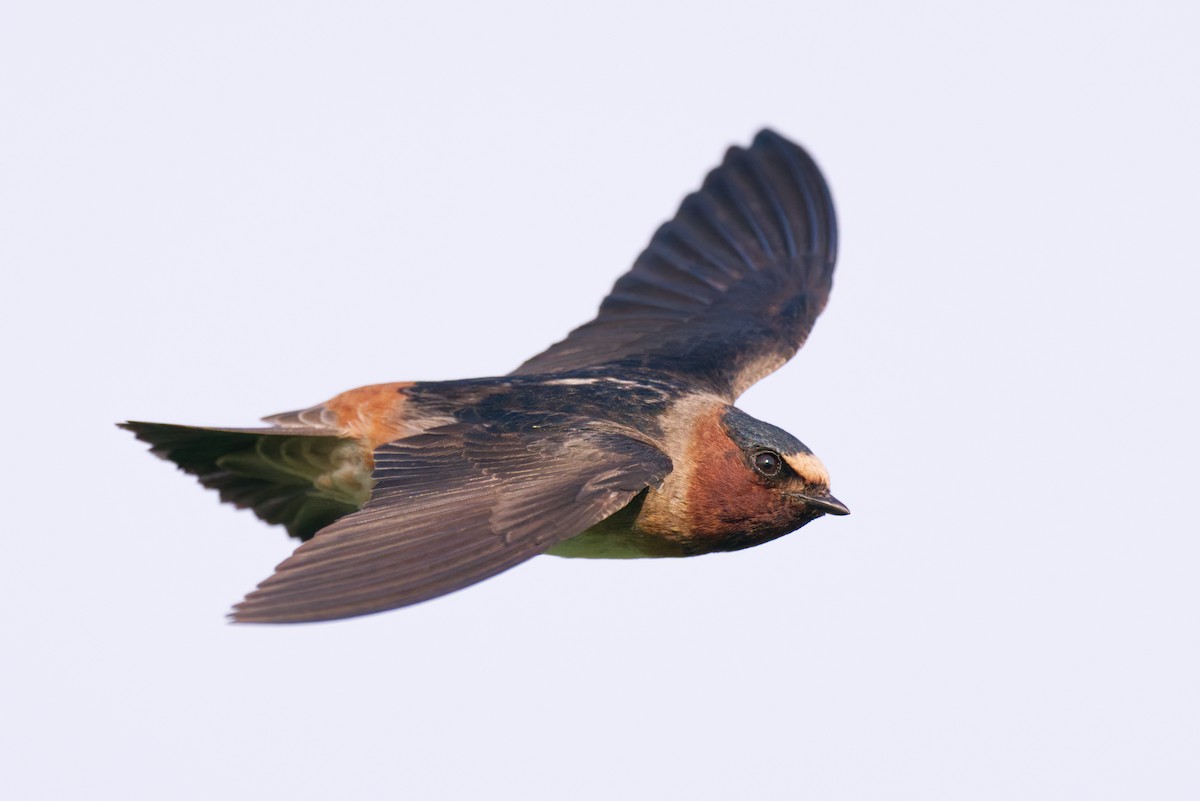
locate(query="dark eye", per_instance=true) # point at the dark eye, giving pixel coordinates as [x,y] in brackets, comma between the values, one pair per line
[768,463]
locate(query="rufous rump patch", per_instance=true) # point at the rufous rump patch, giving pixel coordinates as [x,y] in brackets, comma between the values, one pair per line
[373,414]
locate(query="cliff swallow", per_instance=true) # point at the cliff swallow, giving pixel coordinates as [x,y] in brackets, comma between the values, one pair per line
[619,441]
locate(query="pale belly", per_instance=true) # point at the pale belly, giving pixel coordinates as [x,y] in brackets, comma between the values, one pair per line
[601,542]
[615,538]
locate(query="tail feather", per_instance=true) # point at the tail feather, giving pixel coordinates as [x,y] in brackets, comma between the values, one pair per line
[301,479]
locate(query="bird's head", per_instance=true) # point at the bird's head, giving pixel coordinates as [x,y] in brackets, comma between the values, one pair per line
[781,462]
[752,482]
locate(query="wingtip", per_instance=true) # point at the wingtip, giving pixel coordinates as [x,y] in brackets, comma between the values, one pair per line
[139,430]
[236,617]
[807,170]
[242,613]
[260,608]
[769,136]
[766,137]
[144,430]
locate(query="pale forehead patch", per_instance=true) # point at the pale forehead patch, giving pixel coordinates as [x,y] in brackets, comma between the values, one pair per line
[808,467]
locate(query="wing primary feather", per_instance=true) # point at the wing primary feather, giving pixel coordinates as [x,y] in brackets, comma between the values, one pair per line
[690,288]
[699,252]
[739,193]
[786,227]
[329,585]
[503,492]
[706,210]
[814,196]
[663,249]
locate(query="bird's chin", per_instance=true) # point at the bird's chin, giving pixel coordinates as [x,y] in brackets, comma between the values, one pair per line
[758,535]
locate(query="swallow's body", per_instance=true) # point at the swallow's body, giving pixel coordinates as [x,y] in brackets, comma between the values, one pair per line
[621,441]
[722,507]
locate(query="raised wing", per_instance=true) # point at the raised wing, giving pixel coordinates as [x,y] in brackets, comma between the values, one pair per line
[453,506]
[727,291]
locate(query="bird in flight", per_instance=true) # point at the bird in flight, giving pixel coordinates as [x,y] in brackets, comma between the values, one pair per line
[620,441]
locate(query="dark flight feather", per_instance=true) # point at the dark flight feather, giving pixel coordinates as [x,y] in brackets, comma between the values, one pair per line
[453,506]
[270,471]
[729,289]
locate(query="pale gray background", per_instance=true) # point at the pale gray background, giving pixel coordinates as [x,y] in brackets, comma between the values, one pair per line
[213,211]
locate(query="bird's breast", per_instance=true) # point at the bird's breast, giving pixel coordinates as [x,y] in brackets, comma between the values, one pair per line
[715,502]
[710,501]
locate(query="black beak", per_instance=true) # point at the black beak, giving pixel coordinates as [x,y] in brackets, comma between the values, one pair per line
[826,503]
